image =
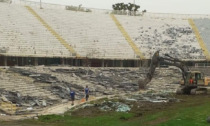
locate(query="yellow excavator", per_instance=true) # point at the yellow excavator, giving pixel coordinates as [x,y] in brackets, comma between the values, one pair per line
[193,82]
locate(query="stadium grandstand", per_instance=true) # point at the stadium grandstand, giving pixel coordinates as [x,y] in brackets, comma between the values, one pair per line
[30,35]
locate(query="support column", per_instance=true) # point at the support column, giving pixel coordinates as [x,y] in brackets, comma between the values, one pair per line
[62,61]
[121,63]
[5,61]
[76,62]
[22,61]
[140,63]
[145,63]
[36,61]
[71,62]
[17,61]
[102,63]
[112,63]
[136,63]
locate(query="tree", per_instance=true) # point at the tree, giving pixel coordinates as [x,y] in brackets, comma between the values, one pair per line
[121,8]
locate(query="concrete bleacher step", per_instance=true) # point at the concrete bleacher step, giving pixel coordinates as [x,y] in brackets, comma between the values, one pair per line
[18,31]
[24,85]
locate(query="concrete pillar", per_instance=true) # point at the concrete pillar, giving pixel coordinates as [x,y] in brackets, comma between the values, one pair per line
[112,63]
[136,63]
[121,63]
[102,63]
[76,62]
[71,62]
[5,61]
[140,63]
[35,61]
[145,63]
[62,61]
[17,61]
[22,61]
[67,61]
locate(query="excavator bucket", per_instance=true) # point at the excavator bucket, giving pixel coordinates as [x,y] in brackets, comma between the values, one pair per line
[143,82]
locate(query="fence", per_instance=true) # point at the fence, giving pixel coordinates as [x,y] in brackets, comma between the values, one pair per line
[106,11]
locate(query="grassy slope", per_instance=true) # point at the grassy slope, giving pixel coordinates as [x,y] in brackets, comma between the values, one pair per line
[190,116]
[192,112]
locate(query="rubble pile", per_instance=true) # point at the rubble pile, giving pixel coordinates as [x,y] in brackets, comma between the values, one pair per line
[165,81]
[127,102]
[24,102]
[119,79]
[151,97]
[38,77]
[114,106]
[60,88]
[58,81]
[106,81]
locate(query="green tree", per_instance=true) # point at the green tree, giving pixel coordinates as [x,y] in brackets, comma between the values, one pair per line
[121,8]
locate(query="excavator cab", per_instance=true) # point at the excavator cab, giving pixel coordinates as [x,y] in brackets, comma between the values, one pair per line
[196,76]
[194,83]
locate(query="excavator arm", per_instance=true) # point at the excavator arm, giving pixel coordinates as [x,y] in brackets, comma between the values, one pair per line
[168,60]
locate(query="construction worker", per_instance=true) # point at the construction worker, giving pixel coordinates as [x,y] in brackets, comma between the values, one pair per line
[191,80]
[86,93]
[72,95]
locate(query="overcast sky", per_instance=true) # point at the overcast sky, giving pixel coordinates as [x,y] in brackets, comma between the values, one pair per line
[158,6]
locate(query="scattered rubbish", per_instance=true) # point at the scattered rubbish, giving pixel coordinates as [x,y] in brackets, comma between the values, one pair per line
[3,114]
[87,105]
[134,100]
[4,99]
[106,108]
[36,118]
[29,109]
[123,108]
[44,103]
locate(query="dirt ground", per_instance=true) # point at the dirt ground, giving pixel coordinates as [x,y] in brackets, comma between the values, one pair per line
[139,109]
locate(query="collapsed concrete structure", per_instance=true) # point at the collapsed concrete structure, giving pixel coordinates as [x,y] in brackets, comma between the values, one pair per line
[31,89]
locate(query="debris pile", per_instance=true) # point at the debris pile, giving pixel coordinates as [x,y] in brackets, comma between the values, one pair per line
[38,77]
[114,106]
[57,87]
[24,102]
[58,81]
[127,102]
[102,81]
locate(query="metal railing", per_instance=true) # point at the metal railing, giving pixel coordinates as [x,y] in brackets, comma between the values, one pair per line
[106,11]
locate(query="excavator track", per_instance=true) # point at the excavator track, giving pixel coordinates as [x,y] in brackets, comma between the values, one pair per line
[198,91]
[191,90]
